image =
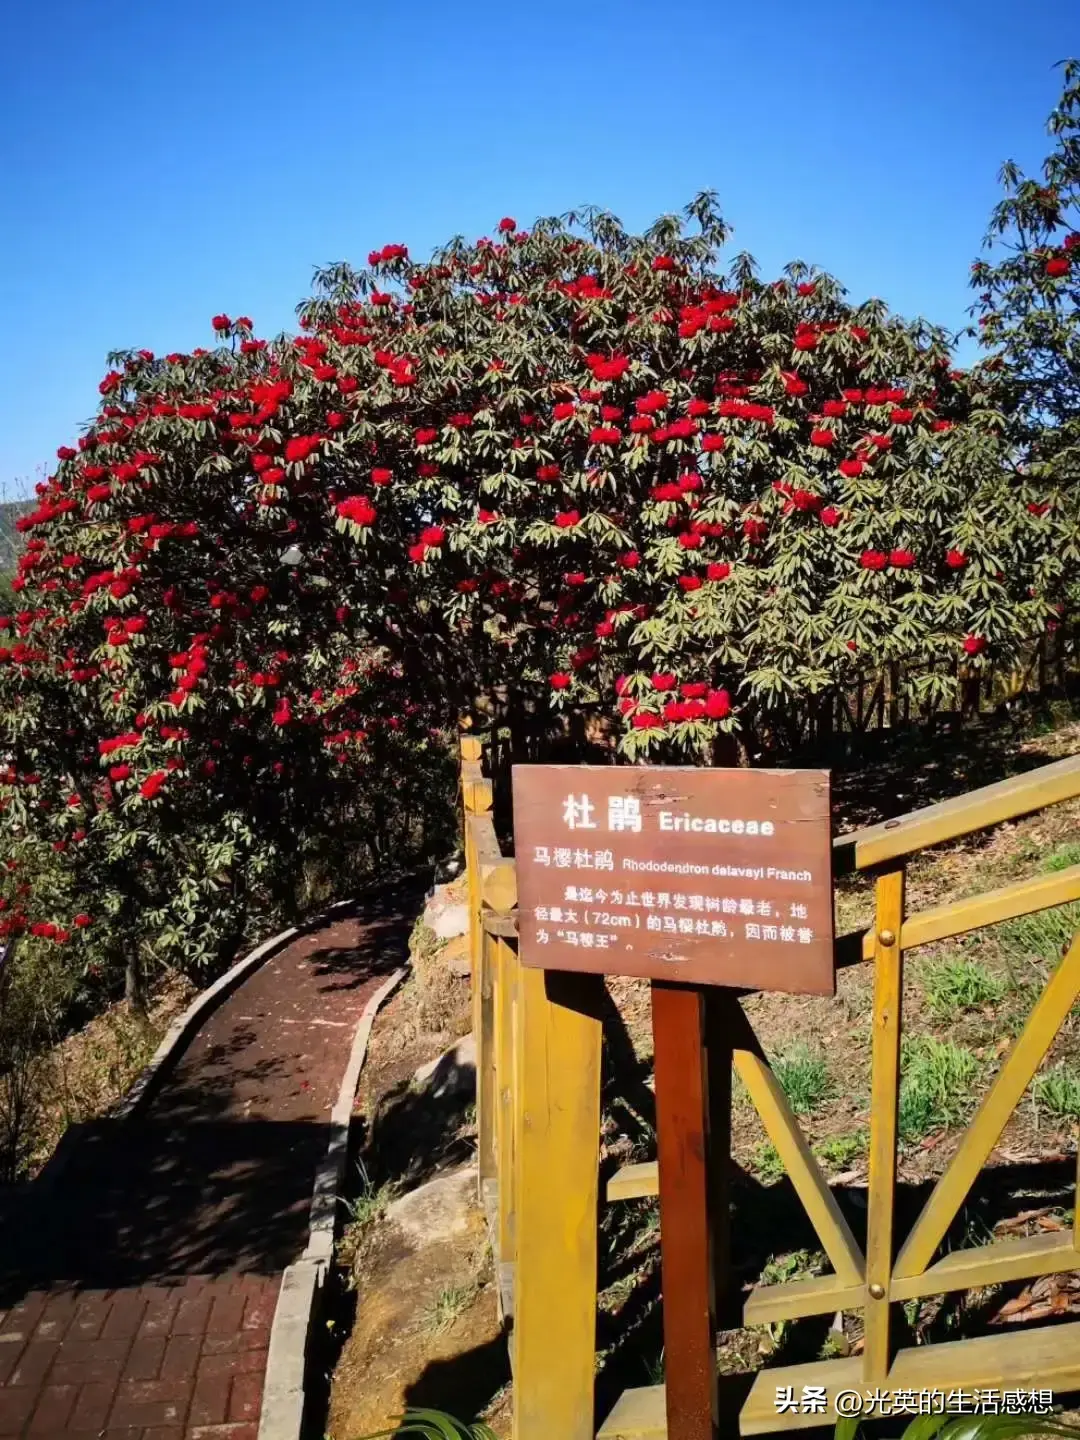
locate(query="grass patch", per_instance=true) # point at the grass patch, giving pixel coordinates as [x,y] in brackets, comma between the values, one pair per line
[935,1085]
[1043,936]
[1063,858]
[1057,1090]
[766,1163]
[448,1306]
[953,986]
[840,1151]
[803,1077]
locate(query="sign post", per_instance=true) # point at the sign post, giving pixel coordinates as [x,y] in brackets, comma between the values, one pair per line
[693,879]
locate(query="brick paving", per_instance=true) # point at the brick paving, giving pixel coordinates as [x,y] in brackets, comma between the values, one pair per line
[136,1297]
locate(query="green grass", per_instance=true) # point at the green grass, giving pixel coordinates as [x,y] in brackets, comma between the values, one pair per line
[839,1151]
[1063,858]
[1043,936]
[935,1085]
[1057,1090]
[1046,935]
[953,986]
[803,1077]
[449,1305]
[766,1163]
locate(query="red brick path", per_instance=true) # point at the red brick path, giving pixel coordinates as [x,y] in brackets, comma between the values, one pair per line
[136,1299]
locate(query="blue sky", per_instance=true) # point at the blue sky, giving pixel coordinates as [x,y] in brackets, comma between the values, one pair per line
[161,162]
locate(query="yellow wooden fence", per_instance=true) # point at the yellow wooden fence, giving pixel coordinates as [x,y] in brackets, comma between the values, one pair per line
[538,1114]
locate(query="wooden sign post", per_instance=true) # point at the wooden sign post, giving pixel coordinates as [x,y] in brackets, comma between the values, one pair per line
[694,879]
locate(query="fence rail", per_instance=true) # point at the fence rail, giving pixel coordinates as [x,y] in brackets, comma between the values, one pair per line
[538,1104]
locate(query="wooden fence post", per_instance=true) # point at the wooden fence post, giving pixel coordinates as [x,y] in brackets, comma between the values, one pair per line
[556,1145]
[884,1095]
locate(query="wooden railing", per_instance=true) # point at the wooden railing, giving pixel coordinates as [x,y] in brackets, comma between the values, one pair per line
[539,1037]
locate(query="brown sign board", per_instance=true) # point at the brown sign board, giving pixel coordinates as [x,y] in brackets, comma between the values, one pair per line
[709,876]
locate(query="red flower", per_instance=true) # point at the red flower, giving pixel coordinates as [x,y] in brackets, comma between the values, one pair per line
[822,438]
[1058,266]
[974,644]
[507,225]
[830,516]
[358,509]
[82,920]
[834,408]
[794,385]
[432,535]
[486,517]
[718,704]
[641,424]
[807,287]
[560,680]
[300,447]
[664,681]
[567,519]
[690,582]
[718,570]
[902,417]
[955,559]
[605,435]
[221,322]
[694,690]
[630,560]
[645,720]
[425,437]
[563,411]
[901,559]
[663,262]
[417,552]
[381,476]
[713,442]
[851,468]
[1038,507]
[873,560]
[754,529]
[690,540]
[547,472]
[152,784]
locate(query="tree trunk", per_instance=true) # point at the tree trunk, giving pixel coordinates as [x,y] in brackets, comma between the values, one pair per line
[134,990]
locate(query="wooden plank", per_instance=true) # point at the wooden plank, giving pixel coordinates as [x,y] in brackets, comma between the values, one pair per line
[1023,897]
[497,876]
[722,1011]
[505,990]
[819,1295]
[802,1168]
[686,1260]
[476,788]
[884,1096]
[1023,1258]
[634,1182]
[1019,1065]
[976,810]
[485,1063]
[1045,1358]
[556,1145]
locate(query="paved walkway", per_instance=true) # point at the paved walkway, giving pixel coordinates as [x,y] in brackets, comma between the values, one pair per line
[136,1299]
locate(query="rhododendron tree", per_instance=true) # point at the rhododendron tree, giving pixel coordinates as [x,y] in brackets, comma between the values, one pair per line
[568,469]
[1028,308]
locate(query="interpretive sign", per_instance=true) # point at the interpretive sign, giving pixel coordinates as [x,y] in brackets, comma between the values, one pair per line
[715,877]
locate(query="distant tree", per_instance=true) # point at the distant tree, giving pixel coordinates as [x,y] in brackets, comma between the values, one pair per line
[1028,311]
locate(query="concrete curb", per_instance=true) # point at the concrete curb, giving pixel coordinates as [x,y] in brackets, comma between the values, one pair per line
[284,1390]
